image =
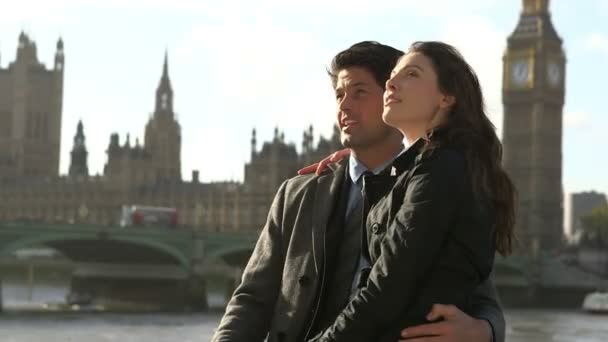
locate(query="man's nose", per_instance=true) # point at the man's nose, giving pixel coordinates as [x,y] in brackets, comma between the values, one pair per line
[345,104]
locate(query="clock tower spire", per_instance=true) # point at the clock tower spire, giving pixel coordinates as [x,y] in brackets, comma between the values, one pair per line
[533,97]
[163,132]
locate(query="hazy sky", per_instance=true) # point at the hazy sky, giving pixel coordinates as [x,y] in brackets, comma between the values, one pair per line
[239,64]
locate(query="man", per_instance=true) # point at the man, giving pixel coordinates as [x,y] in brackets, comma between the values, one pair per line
[307,262]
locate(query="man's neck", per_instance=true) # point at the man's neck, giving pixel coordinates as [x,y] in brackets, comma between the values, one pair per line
[374,156]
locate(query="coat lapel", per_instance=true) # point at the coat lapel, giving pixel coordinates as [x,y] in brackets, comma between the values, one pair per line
[328,189]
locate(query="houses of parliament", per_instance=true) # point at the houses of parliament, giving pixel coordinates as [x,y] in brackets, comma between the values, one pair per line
[31,189]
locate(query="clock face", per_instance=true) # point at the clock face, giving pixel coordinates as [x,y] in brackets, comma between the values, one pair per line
[554,74]
[520,72]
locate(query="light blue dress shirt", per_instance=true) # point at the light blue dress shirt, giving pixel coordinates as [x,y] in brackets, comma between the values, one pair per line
[356,169]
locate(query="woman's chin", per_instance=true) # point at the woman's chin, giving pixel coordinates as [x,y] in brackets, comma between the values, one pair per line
[387,116]
[391,117]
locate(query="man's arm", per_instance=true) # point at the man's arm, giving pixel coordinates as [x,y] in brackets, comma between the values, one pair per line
[249,312]
[486,306]
[487,323]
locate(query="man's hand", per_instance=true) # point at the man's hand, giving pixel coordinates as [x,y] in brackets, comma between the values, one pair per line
[455,327]
[319,167]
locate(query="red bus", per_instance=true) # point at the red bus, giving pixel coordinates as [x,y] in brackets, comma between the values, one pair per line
[145,216]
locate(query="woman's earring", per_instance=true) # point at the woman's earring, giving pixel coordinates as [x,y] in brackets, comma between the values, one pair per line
[428,135]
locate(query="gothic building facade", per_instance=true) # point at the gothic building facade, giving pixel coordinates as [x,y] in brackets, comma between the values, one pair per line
[30,113]
[32,190]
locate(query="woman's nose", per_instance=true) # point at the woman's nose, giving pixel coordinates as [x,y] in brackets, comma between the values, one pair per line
[390,84]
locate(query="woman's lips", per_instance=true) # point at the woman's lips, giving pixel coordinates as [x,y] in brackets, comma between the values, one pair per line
[391,99]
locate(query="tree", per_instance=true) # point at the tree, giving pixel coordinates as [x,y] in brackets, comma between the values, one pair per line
[595,226]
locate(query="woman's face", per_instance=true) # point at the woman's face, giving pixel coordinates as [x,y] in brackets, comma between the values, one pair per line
[412,99]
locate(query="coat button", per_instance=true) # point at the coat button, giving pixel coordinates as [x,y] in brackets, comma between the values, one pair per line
[304,280]
[376,228]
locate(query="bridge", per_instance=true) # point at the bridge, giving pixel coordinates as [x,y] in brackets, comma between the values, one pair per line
[116,261]
[545,279]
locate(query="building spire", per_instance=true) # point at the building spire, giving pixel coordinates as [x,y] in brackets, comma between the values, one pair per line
[23,38]
[78,164]
[536,7]
[165,81]
[254,142]
[164,92]
[534,23]
[166,65]
[80,130]
[59,56]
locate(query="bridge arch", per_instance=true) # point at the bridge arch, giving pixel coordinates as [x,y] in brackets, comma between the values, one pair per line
[231,249]
[48,239]
[234,254]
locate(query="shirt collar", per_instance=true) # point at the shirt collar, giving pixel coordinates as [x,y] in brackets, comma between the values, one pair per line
[356,168]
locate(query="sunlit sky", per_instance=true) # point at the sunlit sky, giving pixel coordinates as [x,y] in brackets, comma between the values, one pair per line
[240,64]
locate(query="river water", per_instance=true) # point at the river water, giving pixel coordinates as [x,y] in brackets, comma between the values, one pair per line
[18,326]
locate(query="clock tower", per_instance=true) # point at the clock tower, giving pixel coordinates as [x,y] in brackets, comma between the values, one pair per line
[533,97]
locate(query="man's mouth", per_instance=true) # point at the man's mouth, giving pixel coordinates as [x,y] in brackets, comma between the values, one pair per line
[350,122]
[347,124]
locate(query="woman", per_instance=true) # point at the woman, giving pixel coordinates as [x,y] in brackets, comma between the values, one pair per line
[432,239]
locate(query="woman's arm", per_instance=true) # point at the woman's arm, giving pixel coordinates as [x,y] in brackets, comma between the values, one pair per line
[408,251]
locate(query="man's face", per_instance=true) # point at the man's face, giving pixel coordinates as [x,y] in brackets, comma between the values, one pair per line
[359,106]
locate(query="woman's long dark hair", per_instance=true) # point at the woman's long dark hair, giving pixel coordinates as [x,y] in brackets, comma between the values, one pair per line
[468,127]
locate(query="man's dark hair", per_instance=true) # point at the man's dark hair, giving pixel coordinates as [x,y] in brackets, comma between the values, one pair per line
[374,57]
